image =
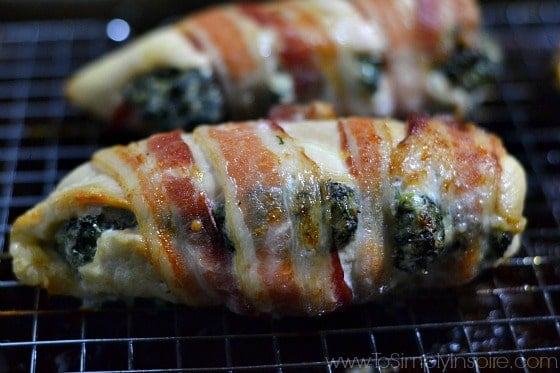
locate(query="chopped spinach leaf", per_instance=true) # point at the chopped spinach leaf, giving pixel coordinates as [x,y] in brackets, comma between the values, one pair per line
[470,68]
[76,239]
[344,209]
[418,232]
[369,70]
[172,98]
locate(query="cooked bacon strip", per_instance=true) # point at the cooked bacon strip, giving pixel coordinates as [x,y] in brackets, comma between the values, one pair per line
[368,145]
[306,49]
[250,179]
[200,239]
[279,217]
[224,34]
[261,181]
[425,24]
[312,245]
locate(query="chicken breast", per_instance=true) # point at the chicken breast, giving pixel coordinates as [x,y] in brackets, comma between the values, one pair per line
[235,61]
[278,217]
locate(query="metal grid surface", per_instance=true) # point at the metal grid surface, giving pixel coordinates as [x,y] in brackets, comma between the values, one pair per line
[509,315]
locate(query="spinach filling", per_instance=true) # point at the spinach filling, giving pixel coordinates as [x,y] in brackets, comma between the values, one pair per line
[335,204]
[343,210]
[419,232]
[176,99]
[369,71]
[419,235]
[76,239]
[499,242]
[471,68]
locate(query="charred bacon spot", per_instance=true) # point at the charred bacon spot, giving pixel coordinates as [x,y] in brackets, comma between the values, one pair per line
[471,68]
[76,239]
[369,71]
[172,98]
[343,212]
[419,232]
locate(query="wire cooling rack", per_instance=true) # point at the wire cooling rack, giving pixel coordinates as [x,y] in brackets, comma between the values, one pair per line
[507,317]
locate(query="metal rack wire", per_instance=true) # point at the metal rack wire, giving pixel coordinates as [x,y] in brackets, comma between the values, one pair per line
[508,316]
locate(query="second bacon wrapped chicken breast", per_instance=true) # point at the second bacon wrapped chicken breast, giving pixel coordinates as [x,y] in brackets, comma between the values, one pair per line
[367,57]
